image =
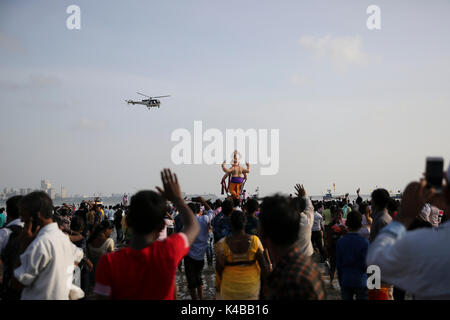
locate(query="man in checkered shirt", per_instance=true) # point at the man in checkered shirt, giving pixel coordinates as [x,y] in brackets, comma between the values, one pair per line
[295,276]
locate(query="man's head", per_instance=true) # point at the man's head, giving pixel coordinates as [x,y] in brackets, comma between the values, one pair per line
[364,208]
[217,204]
[279,221]
[359,200]
[195,207]
[227,207]
[77,224]
[146,213]
[392,206]
[251,206]
[236,202]
[354,221]
[12,207]
[238,220]
[336,213]
[103,230]
[36,207]
[380,199]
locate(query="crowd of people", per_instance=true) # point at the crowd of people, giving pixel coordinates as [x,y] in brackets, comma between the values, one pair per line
[269,248]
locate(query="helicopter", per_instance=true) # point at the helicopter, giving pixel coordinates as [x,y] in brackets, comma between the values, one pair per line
[151,102]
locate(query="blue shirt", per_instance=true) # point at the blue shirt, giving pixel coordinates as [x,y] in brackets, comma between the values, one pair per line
[198,248]
[109,214]
[221,226]
[351,252]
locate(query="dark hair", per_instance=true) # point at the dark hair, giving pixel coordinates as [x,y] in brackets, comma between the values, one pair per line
[354,220]
[335,211]
[227,207]
[359,200]
[251,206]
[194,206]
[12,207]
[37,201]
[146,213]
[77,224]
[363,207]
[280,220]
[236,202]
[392,205]
[380,198]
[238,220]
[317,205]
[99,228]
[217,203]
[191,206]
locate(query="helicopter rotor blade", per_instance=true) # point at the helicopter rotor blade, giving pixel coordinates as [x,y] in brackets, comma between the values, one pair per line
[161,96]
[144,95]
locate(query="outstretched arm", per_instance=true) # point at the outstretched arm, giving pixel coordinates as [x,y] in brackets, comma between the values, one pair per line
[301,193]
[172,192]
[225,176]
[248,168]
[225,168]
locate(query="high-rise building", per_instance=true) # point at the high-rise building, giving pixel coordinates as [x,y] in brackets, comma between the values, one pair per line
[45,185]
[63,193]
[23,191]
[52,193]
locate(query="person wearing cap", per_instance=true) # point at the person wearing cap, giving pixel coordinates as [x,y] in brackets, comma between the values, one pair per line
[416,261]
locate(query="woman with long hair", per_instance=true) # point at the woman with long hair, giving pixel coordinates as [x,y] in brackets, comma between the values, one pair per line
[240,261]
[99,243]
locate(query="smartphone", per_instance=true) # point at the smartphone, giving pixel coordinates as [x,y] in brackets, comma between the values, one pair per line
[434,173]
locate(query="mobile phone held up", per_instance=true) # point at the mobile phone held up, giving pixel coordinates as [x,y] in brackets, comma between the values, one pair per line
[434,173]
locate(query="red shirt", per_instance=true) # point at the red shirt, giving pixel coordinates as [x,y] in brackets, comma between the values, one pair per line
[146,274]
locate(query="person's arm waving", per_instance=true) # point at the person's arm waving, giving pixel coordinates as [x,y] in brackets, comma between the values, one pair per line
[172,192]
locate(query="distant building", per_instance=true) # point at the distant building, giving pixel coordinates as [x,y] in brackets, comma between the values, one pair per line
[45,185]
[51,193]
[29,190]
[23,191]
[63,193]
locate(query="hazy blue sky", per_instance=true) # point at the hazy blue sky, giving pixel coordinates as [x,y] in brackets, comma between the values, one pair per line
[353,106]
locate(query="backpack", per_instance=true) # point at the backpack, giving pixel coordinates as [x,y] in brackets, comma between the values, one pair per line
[11,260]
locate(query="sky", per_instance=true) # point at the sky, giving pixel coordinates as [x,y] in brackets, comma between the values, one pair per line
[354,107]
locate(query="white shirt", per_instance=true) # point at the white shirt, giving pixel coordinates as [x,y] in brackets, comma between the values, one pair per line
[47,265]
[318,222]
[306,223]
[416,261]
[5,233]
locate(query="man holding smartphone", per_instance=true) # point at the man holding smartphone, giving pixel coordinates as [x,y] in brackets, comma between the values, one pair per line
[416,261]
[48,256]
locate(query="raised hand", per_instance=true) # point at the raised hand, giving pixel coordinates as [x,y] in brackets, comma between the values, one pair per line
[414,198]
[171,186]
[300,190]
